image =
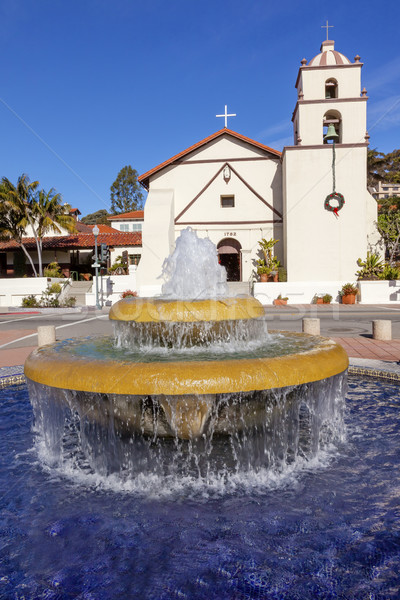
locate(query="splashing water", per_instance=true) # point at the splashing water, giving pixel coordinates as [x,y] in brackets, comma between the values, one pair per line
[192,270]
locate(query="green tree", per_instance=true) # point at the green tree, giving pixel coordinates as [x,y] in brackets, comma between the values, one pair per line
[375,167]
[388,225]
[23,206]
[48,214]
[126,194]
[15,212]
[383,167]
[100,216]
[12,227]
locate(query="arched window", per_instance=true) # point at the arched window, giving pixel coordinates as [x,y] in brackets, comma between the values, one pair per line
[331,88]
[332,117]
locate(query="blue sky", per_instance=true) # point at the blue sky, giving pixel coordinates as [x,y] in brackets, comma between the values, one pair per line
[89,86]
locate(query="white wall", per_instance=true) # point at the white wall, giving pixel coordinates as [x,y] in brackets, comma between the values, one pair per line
[12,291]
[379,292]
[320,246]
[371,292]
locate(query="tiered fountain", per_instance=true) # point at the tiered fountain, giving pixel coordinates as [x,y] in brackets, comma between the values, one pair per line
[194,367]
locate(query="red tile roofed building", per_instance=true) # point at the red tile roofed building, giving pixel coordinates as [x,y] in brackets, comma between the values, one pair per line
[129,221]
[72,252]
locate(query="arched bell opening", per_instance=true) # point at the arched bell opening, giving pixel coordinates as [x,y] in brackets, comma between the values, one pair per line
[230,257]
[331,89]
[332,123]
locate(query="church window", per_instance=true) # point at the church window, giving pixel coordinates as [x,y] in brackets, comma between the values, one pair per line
[227,201]
[332,117]
[331,88]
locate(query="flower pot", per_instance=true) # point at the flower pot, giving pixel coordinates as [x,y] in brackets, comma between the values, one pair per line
[349,299]
[264,277]
[273,277]
[279,302]
[327,302]
[319,301]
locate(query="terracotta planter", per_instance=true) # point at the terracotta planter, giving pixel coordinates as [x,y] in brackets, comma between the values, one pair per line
[319,301]
[349,299]
[279,302]
[264,277]
[273,277]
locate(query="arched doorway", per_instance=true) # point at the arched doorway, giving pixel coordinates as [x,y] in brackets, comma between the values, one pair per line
[229,256]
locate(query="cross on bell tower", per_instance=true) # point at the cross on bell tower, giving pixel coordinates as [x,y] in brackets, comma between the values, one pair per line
[327,27]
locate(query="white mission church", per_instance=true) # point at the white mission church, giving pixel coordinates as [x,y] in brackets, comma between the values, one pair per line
[237,191]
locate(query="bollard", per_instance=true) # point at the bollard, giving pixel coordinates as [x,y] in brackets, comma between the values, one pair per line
[46,335]
[311,326]
[382,330]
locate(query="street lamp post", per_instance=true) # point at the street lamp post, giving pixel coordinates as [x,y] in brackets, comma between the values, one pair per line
[96,265]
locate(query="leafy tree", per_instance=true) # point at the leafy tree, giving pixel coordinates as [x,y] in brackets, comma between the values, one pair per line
[48,214]
[14,213]
[388,225]
[22,206]
[383,167]
[100,216]
[375,167]
[126,194]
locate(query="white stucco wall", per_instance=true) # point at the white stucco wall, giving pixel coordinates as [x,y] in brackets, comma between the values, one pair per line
[158,237]
[247,222]
[312,81]
[320,246]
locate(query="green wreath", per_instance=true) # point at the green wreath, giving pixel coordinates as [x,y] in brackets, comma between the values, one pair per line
[333,208]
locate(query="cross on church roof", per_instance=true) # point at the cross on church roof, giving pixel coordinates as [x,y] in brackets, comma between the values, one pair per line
[226,116]
[327,28]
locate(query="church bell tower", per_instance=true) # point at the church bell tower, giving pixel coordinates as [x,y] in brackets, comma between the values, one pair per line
[329,214]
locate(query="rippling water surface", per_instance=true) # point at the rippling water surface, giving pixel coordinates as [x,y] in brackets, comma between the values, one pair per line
[328,529]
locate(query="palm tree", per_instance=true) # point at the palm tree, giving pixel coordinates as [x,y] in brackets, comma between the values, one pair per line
[14,214]
[48,214]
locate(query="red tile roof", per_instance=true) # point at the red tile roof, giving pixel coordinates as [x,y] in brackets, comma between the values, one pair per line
[135,214]
[104,228]
[79,240]
[144,179]
[82,227]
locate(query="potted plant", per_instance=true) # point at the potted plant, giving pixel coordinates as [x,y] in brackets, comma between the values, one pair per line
[318,299]
[327,299]
[348,293]
[279,301]
[269,264]
[263,270]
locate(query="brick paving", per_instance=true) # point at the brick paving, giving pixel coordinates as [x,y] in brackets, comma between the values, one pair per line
[362,347]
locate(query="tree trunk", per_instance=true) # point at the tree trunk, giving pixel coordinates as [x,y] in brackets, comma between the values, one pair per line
[29,258]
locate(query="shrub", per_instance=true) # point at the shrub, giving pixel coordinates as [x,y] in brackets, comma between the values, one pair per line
[390,272]
[69,302]
[52,270]
[54,288]
[30,301]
